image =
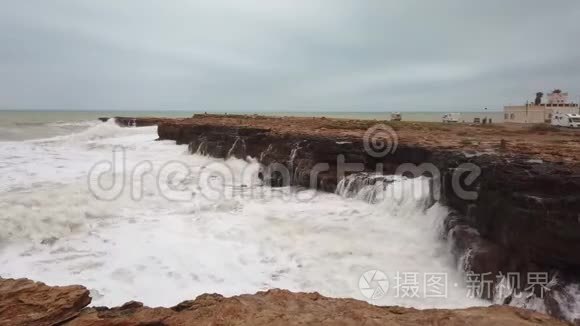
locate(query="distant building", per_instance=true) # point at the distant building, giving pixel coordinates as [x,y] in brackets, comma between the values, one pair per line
[557,97]
[558,102]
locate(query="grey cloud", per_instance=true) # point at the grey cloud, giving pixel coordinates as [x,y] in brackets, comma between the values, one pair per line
[284,55]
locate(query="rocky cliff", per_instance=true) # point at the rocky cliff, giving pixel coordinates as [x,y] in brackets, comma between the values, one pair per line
[24,302]
[525,214]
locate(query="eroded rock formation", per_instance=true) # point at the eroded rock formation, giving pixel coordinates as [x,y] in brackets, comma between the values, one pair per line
[524,217]
[24,302]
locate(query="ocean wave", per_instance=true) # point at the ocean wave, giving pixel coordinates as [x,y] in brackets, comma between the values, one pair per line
[95,132]
[27,131]
[323,243]
[79,123]
[46,213]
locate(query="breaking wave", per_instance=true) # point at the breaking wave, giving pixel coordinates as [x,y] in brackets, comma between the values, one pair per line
[162,251]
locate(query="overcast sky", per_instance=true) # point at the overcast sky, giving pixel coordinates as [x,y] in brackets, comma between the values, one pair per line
[215,55]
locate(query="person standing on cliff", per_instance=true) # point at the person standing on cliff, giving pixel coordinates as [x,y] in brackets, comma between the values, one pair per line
[485,118]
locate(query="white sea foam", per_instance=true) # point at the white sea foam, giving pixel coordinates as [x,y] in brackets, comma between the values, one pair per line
[161,252]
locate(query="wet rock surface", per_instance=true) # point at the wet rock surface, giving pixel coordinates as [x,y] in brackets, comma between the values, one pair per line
[515,207]
[24,302]
[524,217]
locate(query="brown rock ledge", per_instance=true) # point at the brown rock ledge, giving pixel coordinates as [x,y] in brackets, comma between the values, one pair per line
[24,302]
[541,142]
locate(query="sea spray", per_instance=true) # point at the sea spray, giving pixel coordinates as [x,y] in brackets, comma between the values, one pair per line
[161,251]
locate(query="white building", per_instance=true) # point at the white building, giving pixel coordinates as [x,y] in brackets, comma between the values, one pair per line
[531,113]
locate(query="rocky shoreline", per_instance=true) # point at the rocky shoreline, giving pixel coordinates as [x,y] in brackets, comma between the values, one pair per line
[24,302]
[524,218]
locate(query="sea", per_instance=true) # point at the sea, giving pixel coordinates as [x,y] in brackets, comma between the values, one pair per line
[131,218]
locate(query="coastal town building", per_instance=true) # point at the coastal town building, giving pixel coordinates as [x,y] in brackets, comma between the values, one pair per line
[538,112]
